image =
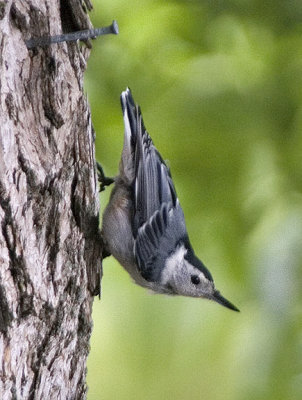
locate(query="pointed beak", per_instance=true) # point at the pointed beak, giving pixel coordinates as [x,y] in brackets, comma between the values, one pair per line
[224,302]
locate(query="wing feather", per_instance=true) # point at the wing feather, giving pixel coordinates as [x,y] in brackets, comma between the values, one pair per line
[158,238]
[153,183]
[158,218]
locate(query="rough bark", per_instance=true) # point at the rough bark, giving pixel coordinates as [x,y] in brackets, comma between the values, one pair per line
[49,237]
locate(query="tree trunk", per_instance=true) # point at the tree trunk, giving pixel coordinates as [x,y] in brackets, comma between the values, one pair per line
[49,237]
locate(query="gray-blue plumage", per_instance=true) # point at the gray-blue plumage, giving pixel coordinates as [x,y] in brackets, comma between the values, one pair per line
[143,224]
[158,222]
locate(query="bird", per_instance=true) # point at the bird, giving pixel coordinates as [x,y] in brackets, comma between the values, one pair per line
[143,224]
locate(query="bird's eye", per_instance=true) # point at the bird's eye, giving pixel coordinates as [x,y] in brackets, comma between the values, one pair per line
[195,279]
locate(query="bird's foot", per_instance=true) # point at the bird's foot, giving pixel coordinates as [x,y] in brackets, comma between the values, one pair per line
[102,178]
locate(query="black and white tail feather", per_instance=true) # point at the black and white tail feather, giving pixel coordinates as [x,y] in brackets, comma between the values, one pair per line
[144,225]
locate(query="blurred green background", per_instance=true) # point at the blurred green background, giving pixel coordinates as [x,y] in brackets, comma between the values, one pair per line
[220,86]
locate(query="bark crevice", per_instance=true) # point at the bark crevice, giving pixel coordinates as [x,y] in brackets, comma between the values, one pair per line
[50,253]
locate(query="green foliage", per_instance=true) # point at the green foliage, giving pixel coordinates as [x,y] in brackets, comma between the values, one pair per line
[220,86]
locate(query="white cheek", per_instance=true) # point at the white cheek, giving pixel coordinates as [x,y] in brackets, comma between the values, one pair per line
[194,271]
[173,264]
[202,277]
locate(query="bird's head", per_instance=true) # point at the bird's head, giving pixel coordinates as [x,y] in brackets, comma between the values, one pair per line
[184,274]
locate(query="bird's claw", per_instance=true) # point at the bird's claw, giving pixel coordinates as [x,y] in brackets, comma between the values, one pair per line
[102,178]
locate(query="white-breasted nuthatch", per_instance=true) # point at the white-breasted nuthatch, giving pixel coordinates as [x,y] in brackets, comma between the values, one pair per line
[143,224]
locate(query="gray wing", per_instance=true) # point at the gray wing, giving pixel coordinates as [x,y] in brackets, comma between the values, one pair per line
[153,182]
[158,220]
[158,238]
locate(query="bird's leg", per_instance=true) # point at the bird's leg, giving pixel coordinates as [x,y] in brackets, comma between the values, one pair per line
[105,254]
[102,178]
